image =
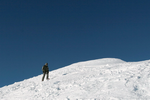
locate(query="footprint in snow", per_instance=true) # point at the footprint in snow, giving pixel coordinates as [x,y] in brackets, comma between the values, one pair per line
[56,82]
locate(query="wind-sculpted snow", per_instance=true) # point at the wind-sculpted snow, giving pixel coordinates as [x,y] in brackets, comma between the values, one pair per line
[102,79]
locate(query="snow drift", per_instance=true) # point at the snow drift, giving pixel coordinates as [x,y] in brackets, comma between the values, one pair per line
[101,79]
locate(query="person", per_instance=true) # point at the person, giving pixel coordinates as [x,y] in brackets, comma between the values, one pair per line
[45,70]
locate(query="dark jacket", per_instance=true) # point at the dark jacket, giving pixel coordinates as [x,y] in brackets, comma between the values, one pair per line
[45,69]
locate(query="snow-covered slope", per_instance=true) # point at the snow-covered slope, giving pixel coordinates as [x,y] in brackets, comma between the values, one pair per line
[101,79]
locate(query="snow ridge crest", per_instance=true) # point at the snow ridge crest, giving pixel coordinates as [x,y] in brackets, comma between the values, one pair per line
[100,62]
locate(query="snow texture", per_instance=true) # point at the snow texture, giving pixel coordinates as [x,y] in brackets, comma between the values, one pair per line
[101,79]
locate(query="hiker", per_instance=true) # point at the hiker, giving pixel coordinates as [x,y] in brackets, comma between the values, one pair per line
[45,70]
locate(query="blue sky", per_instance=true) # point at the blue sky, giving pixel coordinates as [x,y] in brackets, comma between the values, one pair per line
[62,32]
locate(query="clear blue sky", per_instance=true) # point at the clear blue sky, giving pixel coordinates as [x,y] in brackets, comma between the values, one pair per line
[62,32]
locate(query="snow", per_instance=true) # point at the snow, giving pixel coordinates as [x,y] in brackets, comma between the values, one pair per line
[101,79]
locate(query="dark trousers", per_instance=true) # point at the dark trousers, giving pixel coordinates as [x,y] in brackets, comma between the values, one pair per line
[44,75]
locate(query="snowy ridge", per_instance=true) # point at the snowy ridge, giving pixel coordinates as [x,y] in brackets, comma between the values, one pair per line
[100,62]
[101,79]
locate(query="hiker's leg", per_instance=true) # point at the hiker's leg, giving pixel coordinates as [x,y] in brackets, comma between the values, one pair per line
[43,76]
[48,75]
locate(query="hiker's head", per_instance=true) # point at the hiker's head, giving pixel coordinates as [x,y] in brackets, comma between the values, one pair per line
[46,64]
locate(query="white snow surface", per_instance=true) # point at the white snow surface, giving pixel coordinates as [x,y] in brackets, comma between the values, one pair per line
[101,79]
